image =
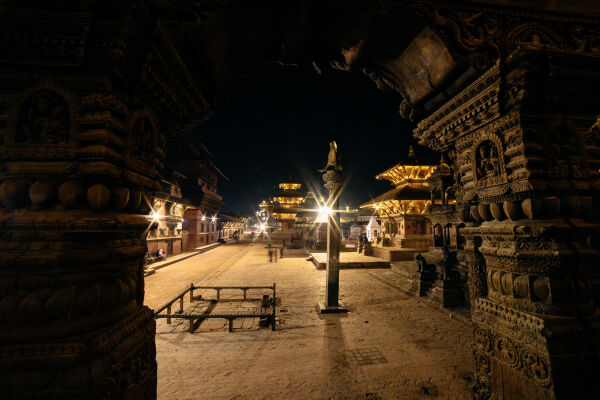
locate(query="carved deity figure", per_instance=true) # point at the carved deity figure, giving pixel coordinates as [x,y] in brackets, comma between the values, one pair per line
[332,158]
[142,139]
[487,160]
[44,118]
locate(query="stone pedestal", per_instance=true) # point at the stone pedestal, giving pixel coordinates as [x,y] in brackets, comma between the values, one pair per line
[322,308]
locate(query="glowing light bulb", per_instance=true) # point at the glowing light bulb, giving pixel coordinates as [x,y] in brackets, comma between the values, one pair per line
[324,211]
[155,216]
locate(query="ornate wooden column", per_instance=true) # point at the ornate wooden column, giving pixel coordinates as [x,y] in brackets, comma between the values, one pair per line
[528,169]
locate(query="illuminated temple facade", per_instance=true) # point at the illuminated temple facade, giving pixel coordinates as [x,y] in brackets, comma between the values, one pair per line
[403,210]
[283,207]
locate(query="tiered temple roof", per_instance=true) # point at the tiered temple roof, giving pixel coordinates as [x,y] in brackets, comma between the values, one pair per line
[411,194]
[287,202]
[289,195]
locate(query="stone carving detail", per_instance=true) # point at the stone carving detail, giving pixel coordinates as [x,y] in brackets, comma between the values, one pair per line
[486,160]
[564,150]
[78,207]
[485,33]
[489,346]
[43,119]
[535,36]
[143,138]
[101,103]
[526,177]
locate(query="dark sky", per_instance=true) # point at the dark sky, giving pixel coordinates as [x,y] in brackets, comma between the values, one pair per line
[281,119]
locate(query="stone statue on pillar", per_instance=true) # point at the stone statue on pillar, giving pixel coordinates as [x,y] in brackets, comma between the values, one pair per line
[333,178]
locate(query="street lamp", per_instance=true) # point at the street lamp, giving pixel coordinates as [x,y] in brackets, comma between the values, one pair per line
[324,213]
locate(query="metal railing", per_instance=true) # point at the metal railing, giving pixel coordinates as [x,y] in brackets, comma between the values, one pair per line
[271,317]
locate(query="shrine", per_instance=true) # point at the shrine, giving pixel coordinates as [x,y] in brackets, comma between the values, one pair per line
[403,210]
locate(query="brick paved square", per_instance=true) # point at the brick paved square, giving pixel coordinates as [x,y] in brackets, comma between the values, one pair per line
[389,346]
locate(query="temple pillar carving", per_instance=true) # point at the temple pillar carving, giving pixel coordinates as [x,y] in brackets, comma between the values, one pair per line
[528,174]
[77,162]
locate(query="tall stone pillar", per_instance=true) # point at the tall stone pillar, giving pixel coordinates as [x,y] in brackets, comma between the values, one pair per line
[528,168]
[76,164]
[333,178]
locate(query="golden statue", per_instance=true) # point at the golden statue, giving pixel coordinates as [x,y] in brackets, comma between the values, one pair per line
[332,158]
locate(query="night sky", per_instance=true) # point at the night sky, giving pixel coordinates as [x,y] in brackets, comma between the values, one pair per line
[281,119]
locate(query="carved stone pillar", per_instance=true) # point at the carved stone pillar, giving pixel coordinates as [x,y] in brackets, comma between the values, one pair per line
[333,182]
[76,164]
[528,166]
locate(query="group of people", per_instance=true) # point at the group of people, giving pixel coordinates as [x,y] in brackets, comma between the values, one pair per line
[159,255]
[274,253]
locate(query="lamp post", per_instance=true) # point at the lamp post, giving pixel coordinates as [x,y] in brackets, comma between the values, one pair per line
[333,178]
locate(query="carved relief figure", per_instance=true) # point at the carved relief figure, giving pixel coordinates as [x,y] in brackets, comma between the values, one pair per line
[142,139]
[563,147]
[44,118]
[487,161]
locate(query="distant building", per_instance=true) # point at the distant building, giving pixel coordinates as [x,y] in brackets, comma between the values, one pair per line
[231,225]
[199,189]
[167,211]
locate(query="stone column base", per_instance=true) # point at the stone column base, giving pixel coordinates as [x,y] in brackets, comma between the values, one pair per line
[323,309]
[529,356]
[117,362]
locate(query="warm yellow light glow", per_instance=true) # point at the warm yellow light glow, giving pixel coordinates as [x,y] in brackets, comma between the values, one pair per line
[290,186]
[400,174]
[284,216]
[400,207]
[155,216]
[288,200]
[214,219]
[203,218]
[324,212]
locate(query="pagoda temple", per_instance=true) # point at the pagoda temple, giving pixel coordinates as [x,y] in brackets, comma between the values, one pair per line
[403,210]
[285,204]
